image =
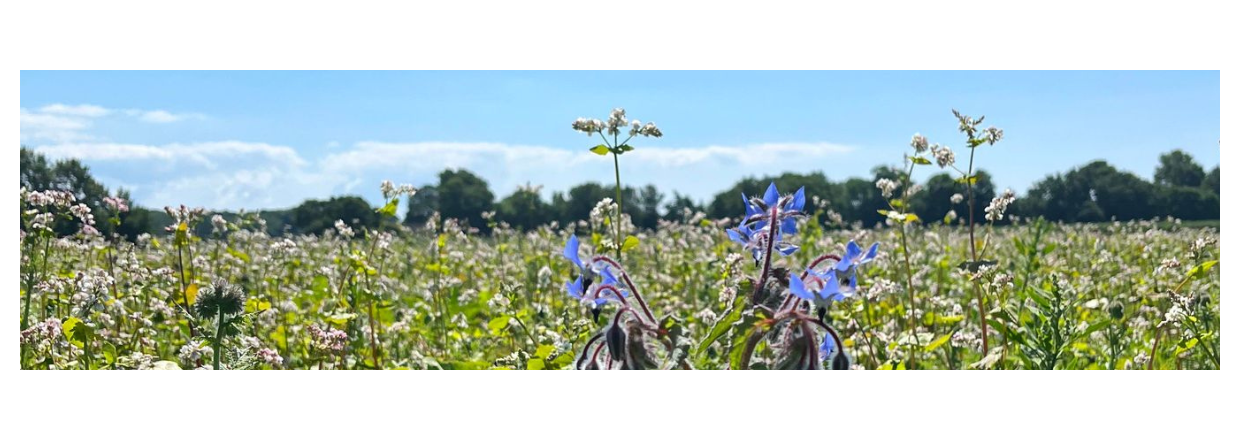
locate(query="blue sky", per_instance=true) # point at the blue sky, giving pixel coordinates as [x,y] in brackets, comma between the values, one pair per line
[229,140]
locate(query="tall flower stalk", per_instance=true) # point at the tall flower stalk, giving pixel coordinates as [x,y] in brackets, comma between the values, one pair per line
[946,158]
[614,125]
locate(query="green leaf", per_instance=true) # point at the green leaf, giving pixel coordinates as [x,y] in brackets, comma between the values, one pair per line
[738,348]
[972,180]
[624,149]
[191,293]
[910,217]
[1201,269]
[498,324]
[600,150]
[1185,346]
[1093,328]
[938,342]
[255,305]
[466,365]
[1006,331]
[544,351]
[240,255]
[724,323]
[921,160]
[77,332]
[341,318]
[535,364]
[630,243]
[109,352]
[390,208]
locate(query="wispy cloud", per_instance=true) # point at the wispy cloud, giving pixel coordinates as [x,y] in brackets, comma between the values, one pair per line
[71,122]
[85,110]
[234,174]
[161,116]
[52,127]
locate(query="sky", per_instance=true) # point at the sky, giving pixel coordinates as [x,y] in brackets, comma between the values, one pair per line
[254,140]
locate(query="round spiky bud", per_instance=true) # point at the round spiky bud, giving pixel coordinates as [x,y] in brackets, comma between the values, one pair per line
[219,298]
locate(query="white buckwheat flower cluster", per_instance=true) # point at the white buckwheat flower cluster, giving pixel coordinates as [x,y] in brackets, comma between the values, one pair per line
[919,143]
[999,205]
[343,229]
[943,155]
[390,190]
[327,340]
[116,204]
[50,197]
[887,186]
[615,122]
[218,224]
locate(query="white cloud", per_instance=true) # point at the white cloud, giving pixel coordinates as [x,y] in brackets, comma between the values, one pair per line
[85,110]
[70,122]
[209,155]
[234,174]
[222,175]
[163,117]
[35,126]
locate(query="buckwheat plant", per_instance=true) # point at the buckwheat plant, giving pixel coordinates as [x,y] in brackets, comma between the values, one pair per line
[615,124]
[945,158]
[898,215]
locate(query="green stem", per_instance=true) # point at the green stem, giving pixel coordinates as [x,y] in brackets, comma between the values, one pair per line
[981,307]
[219,333]
[619,204]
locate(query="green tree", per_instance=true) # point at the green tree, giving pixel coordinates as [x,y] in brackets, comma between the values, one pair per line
[36,172]
[1212,181]
[464,196]
[935,199]
[316,216]
[679,203]
[422,205]
[1094,192]
[581,199]
[524,209]
[1178,168]
[646,207]
[1187,203]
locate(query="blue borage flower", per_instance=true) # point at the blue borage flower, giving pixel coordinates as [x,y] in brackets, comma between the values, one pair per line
[754,229]
[596,294]
[827,349]
[585,288]
[820,288]
[753,239]
[846,268]
[790,206]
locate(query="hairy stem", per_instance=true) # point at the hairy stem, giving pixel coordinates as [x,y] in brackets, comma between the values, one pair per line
[981,300]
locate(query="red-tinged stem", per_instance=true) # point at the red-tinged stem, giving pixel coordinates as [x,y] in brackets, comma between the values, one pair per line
[589,342]
[624,276]
[771,224]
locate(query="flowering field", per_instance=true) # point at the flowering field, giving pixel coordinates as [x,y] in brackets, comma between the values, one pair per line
[773,288]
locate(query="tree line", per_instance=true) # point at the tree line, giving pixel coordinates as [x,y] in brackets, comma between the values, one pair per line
[1093,192]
